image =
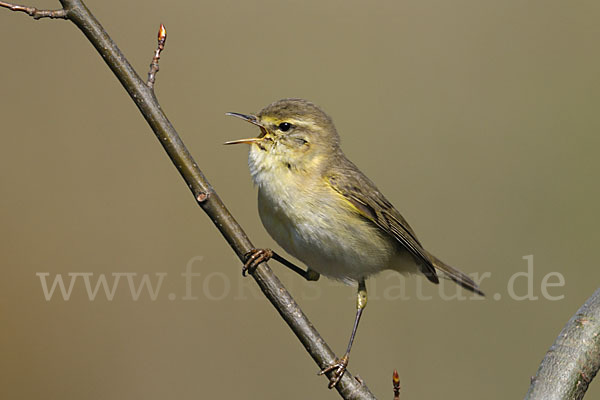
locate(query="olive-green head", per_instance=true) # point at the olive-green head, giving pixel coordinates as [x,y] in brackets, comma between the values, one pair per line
[295,133]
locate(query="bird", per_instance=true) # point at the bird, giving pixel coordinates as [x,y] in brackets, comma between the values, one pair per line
[321,209]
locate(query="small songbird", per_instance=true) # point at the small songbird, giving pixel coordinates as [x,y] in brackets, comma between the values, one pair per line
[324,211]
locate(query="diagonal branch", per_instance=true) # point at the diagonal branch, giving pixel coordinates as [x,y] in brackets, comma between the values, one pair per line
[574,358]
[206,197]
[34,12]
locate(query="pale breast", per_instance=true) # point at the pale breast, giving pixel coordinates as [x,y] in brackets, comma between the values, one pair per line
[314,224]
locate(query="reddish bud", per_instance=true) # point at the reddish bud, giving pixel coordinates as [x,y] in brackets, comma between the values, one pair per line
[162,33]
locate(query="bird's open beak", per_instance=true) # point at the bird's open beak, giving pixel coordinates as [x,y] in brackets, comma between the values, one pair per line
[253,120]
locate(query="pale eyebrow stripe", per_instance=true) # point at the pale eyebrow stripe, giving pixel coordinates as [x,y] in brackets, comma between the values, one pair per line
[302,123]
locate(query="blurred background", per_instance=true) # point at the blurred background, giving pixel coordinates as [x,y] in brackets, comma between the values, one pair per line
[478,120]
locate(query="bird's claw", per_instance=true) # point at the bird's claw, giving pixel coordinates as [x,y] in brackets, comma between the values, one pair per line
[255,257]
[338,368]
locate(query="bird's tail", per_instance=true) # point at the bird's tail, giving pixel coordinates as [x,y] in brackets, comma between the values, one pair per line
[455,275]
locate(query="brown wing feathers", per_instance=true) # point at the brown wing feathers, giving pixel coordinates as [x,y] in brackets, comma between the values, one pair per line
[375,207]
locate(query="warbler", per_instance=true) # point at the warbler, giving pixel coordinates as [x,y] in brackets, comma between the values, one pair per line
[325,212]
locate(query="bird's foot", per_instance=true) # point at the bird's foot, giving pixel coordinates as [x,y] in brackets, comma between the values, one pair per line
[255,257]
[338,368]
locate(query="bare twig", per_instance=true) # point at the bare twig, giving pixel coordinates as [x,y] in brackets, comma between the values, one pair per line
[204,194]
[396,383]
[162,38]
[34,12]
[574,358]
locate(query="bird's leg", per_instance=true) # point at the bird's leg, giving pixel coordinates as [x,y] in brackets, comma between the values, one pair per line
[339,367]
[256,256]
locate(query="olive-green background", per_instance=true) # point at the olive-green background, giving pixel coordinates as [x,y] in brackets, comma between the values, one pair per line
[478,119]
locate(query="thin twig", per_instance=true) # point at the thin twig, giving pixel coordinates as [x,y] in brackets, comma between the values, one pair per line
[206,197]
[162,39]
[573,360]
[396,383]
[34,12]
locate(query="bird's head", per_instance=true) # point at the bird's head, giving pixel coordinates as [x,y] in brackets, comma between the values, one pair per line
[295,134]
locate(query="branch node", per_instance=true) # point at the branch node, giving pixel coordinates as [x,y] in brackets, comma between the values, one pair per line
[162,39]
[202,197]
[34,12]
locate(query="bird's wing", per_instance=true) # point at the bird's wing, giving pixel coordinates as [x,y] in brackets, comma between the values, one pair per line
[347,180]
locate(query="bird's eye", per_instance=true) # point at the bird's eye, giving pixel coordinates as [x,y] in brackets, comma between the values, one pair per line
[285,126]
